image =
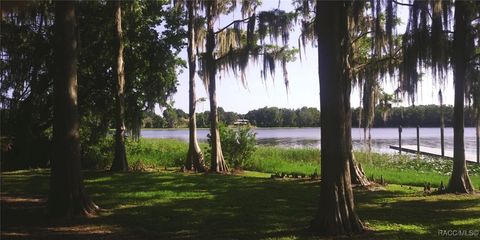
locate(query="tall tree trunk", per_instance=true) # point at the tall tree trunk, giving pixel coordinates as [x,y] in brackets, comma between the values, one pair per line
[120,159]
[217,163]
[67,193]
[336,214]
[459,181]
[442,124]
[194,157]
[357,175]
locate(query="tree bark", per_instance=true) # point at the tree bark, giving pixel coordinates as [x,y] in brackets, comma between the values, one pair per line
[67,193]
[194,157]
[336,214]
[459,181]
[217,163]
[357,175]
[442,125]
[120,159]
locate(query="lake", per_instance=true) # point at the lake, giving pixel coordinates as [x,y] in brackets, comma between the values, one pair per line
[310,137]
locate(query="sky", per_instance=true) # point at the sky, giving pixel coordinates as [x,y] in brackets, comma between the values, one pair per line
[303,80]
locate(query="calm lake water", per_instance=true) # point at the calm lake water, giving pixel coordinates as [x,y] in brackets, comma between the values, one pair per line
[310,137]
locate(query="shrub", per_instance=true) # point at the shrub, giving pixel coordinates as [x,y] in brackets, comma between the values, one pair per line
[238,144]
[98,155]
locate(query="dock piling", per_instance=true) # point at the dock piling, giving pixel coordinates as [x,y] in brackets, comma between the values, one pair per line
[418,139]
[478,143]
[442,141]
[400,140]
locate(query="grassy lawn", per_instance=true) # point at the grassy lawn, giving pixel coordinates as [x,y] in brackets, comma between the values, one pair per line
[169,205]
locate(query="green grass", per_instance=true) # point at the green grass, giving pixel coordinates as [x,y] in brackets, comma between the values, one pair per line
[167,205]
[404,169]
[292,160]
[157,152]
[410,170]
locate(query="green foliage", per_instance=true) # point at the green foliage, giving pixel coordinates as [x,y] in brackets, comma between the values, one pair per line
[238,144]
[98,155]
[282,117]
[308,117]
[152,120]
[26,94]
[228,118]
[171,117]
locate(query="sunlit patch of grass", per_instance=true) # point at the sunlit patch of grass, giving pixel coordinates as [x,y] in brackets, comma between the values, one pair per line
[463,222]
[165,205]
[255,174]
[287,160]
[404,228]
[157,152]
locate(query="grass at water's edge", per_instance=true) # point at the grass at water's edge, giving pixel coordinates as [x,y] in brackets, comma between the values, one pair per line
[404,169]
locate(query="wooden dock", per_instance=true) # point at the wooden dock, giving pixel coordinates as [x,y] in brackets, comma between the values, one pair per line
[435,152]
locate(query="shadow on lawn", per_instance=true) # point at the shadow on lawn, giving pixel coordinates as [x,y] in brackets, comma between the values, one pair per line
[182,206]
[208,207]
[413,216]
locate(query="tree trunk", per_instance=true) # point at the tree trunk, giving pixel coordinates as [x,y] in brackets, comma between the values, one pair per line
[336,214]
[357,175]
[459,181]
[217,163]
[442,125]
[67,193]
[194,157]
[120,159]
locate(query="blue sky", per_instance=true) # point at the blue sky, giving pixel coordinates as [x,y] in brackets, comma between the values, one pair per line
[303,81]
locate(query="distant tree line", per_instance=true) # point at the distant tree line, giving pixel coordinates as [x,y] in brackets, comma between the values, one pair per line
[283,117]
[422,115]
[177,118]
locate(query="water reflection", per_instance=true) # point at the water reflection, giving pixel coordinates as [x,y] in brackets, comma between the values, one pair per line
[310,137]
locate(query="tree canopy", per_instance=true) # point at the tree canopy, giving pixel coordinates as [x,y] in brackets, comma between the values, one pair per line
[153,39]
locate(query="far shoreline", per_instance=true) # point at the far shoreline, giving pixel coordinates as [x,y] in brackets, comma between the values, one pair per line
[253,127]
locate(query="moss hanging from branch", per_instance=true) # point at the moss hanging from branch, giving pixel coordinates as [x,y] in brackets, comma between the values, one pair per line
[237,46]
[425,43]
[275,24]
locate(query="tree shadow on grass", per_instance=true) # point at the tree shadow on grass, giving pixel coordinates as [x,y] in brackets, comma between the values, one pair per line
[190,206]
[414,216]
[211,207]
